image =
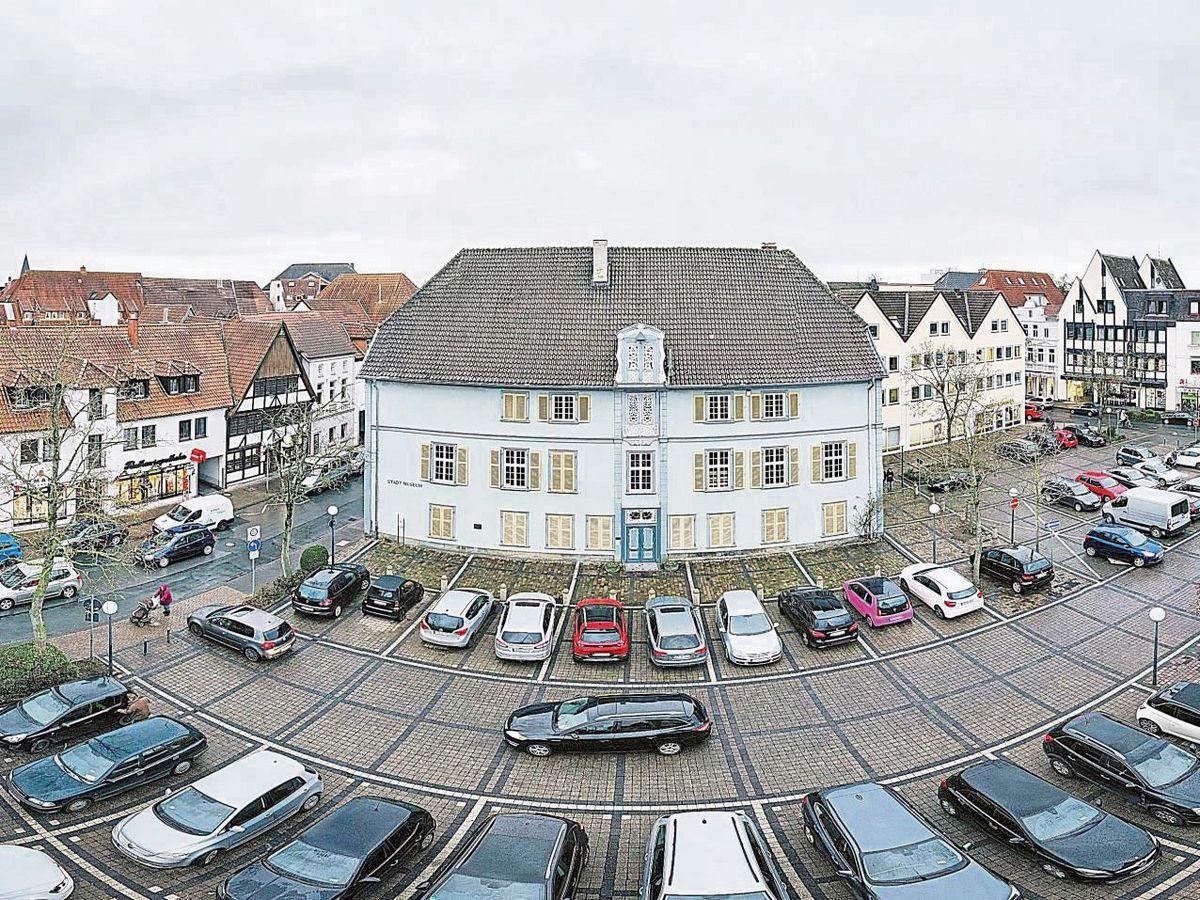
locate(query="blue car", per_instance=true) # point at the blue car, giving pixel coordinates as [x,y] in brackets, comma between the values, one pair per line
[9,548]
[1123,543]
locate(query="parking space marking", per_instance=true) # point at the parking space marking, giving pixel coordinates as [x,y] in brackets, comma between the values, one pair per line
[387,651]
[452,841]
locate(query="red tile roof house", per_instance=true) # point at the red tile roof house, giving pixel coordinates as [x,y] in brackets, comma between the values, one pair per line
[1037,301]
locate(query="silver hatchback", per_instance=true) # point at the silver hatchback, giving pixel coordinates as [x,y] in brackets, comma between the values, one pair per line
[675,636]
[257,633]
[457,618]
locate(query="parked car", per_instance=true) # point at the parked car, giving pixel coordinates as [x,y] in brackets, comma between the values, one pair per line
[1046,440]
[1188,457]
[934,478]
[749,635]
[1019,450]
[1090,410]
[1066,835]
[10,550]
[1180,417]
[1130,477]
[90,535]
[1122,543]
[68,712]
[600,632]
[1021,568]
[882,848]
[257,633]
[526,629]
[943,590]
[1072,494]
[457,618]
[1101,484]
[392,596]
[168,547]
[1145,769]
[1191,487]
[1130,455]
[1159,470]
[523,854]
[224,809]
[326,474]
[673,633]
[19,581]
[878,600]
[355,459]
[210,510]
[118,761]
[1173,710]
[663,722]
[820,616]
[1085,435]
[361,843]
[1156,512]
[710,855]
[32,873]
[330,590]
[1034,413]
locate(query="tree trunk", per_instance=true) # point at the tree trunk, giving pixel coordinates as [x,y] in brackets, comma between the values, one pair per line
[285,543]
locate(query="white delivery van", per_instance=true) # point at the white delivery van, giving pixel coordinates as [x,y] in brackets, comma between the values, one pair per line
[1149,509]
[213,511]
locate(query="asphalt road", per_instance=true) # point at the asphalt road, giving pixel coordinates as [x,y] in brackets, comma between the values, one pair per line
[229,563]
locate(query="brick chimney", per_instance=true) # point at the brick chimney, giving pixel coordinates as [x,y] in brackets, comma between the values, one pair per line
[131,325]
[599,262]
[770,245]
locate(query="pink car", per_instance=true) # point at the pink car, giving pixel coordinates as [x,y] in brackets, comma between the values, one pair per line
[878,600]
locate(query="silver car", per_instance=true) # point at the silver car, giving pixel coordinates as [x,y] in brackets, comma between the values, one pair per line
[222,810]
[257,633]
[19,582]
[527,625]
[746,630]
[675,637]
[457,618]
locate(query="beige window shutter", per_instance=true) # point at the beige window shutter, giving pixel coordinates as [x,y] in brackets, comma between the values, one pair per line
[543,407]
[424,462]
[816,463]
[755,467]
[569,472]
[793,465]
[755,407]
[462,465]
[585,408]
[698,406]
[852,459]
[508,410]
[739,407]
[495,454]
[535,470]
[793,404]
[739,470]
[521,408]
[698,467]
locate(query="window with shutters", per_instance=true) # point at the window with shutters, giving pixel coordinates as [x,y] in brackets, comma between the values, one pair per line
[444,457]
[560,532]
[441,522]
[774,405]
[683,532]
[599,532]
[514,473]
[720,529]
[515,408]
[833,461]
[774,467]
[640,472]
[718,466]
[718,408]
[514,528]
[834,518]
[775,526]
[562,471]
[563,408]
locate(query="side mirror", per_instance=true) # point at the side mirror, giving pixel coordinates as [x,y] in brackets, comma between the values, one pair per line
[237,829]
[843,873]
[1016,840]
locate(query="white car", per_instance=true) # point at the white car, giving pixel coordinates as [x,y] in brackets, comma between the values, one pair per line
[32,875]
[1174,710]
[527,624]
[943,590]
[1156,468]
[1188,457]
[746,630]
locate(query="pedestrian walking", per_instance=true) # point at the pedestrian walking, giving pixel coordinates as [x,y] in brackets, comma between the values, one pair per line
[136,708]
[164,598]
[889,479]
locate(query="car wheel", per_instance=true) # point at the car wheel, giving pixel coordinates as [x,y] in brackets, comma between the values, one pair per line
[1062,768]
[126,719]
[196,629]
[6,604]
[182,766]
[427,841]
[251,654]
[1016,586]
[539,750]
[1109,518]
[1149,727]
[116,540]
[337,611]
[1166,816]
[1053,871]
[366,583]
[208,858]
[77,806]
[1078,507]
[309,802]
[1090,551]
[224,524]
[1156,533]
[669,748]
[69,591]
[39,746]
[939,612]
[1138,562]
[949,807]
[809,836]
[208,549]
[163,562]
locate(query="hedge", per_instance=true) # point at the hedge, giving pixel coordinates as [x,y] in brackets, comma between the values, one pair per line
[274,591]
[26,669]
[313,557]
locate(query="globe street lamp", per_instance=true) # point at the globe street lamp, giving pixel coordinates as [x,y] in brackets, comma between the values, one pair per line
[1157,614]
[333,511]
[934,509]
[1012,523]
[109,609]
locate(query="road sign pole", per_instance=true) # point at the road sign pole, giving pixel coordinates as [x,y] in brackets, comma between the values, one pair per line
[252,574]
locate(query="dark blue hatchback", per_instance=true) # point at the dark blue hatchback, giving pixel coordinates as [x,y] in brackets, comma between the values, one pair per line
[1122,543]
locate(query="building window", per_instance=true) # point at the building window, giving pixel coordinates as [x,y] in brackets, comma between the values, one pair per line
[717,470]
[945,329]
[131,439]
[599,532]
[201,427]
[774,405]
[560,532]
[774,466]
[1004,324]
[834,518]
[833,461]
[95,451]
[893,364]
[185,429]
[515,471]
[892,398]
[278,384]
[148,436]
[683,532]
[562,471]
[933,329]
[720,530]
[915,393]
[873,331]
[514,529]
[29,450]
[95,407]
[444,458]
[640,479]
[441,522]
[775,526]
[717,408]
[516,408]
[342,431]
[563,408]
[891,437]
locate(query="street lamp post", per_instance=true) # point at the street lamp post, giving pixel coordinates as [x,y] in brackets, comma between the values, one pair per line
[333,511]
[934,509]
[1157,614]
[1012,521]
[109,609]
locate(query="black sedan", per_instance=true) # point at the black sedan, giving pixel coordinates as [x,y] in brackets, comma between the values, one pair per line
[1181,417]
[68,712]
[91,535]
[819,615]
[361,843]
[1069,836]
[935,479]
[1091,410]
[663,722]
[1085,434]
[108,765]
[1070,493]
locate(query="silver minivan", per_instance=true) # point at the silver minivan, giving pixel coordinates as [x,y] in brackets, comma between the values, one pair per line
[1151,510]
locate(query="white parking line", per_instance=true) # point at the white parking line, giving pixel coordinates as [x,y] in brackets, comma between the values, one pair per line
[544,669]
[803,571]
[995,614]
[387,651]
[452,841]
[870,651]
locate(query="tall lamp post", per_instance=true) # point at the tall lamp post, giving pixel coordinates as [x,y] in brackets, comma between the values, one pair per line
[333,511]
[1012,520]
[934,509]
[109,609]
[1157,614]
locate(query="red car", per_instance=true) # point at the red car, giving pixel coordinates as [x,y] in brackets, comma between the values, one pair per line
[1034,413]
[1066,439]
[601,631]
[1102,484]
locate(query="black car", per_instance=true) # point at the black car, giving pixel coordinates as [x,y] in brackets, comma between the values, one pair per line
[166,548]
[1085,434]
[328,591]
[1147,770]
[1020,567]
[68,712]
[361,843]
[392,596]
[111,764]
[1091,410]
[528,855]
[1069,836]
[1019,450]
[819,615]
[1131,456]
[1070,493]
[663,722]
[937,480]
[90,535]
[1180,417]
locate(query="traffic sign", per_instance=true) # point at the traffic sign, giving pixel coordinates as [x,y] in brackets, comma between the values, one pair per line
[1013,503]
[253,554]
[1051,524]
[91,610]
[198,455]
[253,533]
[254,546]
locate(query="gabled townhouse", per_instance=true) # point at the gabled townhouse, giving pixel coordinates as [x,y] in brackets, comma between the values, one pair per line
[303,281]
[912,328]
[1038,302]
[627,403]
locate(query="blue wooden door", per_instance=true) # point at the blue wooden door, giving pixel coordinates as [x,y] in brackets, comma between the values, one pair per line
[641,543]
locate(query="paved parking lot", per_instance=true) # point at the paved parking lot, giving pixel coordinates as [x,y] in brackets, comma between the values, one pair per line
[379,712]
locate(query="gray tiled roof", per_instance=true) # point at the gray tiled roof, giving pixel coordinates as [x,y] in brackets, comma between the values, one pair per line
[1166,271]
[327,271]
[530,316]
[907,308]
[1123,270]
[957,281]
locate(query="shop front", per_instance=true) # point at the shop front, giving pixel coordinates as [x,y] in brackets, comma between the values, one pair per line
[152,480]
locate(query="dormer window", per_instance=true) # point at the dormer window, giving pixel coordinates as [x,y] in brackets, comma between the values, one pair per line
[640,356]
[28,397]
[634,356]
[180,384]
[134,389]
[647,357]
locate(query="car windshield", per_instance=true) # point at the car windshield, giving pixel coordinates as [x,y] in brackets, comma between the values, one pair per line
[755,623]
[1107,482]
[467,887]
[1037,565]
[443,622]
[913,862]
[891,602]
[282,630]
[1166,765]
[85,762]
[45,707]
[1079,490]
[963,593]
[311,592]
[309,863]
[571,713]
[520,637]
[600,635]
[179,514]
[1135,538]
[1065,817]
[192,812]
[1155,465]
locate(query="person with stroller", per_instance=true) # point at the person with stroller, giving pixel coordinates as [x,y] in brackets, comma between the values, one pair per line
[164,598]
[160,599]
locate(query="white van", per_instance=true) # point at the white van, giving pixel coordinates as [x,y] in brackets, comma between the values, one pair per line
[1149,509]
[213,511]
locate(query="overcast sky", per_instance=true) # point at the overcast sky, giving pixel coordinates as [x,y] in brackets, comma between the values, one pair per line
[234,138]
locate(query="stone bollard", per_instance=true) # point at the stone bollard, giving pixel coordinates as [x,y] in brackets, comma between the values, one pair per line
[445,584]
[566,596]
[759,592]
[503,593]
[695,596]
[820,582]
[652,594]
[389,571]
[878,572]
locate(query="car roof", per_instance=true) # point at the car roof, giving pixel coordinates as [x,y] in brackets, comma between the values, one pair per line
[323,577]
[877,584]
[820,598]
[741,602]
[945,576]
[391,582]
[248,777]
[129,740]
[672,704]
[873,815]
[524,614]
[600,613]
[516,847]
[455,601]
[709,855]
[252,615]
[1117,736]
[666,600]
[1013,788]
[1185,693]
[675,621]
[358,825]
[530,597]
[86,690]
[1020,552]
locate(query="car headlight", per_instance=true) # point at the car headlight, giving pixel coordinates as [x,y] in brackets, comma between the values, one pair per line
[15,738]
[515,735]
[1092,873]
[40,804]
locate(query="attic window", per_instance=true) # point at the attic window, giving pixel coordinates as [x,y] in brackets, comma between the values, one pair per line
[134,389]
[180,384]
[30,397]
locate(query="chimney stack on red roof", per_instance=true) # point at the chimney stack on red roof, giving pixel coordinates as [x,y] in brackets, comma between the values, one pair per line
[131,325]
[83,268]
